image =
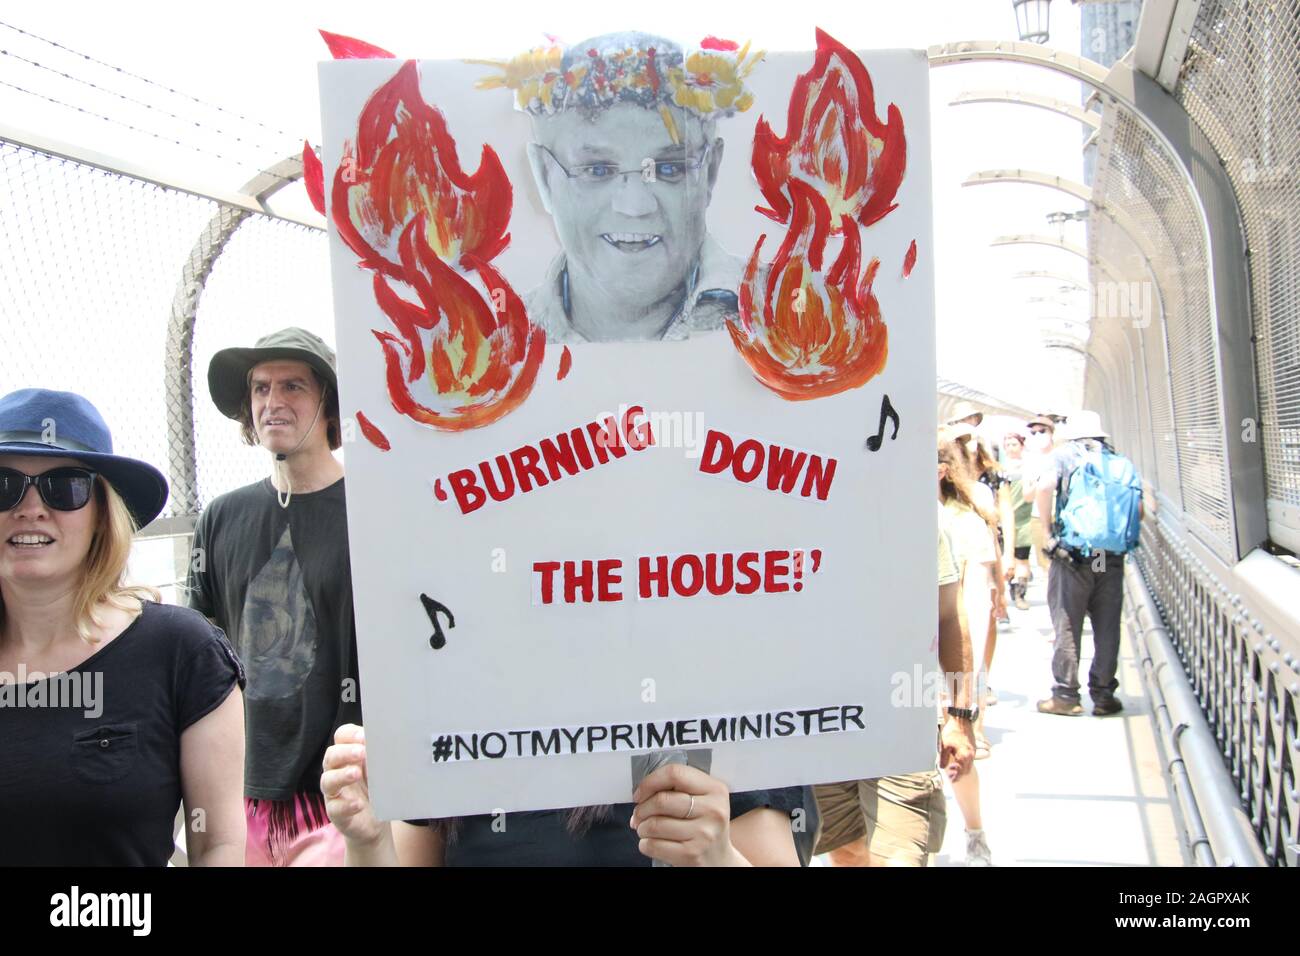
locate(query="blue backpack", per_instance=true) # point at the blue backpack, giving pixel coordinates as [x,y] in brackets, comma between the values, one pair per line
[1098,508]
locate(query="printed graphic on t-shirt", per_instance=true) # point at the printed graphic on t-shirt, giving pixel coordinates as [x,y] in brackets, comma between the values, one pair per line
[277,633]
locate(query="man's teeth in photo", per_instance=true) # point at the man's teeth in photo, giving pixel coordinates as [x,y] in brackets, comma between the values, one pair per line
[30,540]
[631,241]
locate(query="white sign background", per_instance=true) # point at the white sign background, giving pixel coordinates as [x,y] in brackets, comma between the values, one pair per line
[867,615]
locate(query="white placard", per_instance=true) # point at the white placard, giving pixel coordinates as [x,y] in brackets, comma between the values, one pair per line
[558,666]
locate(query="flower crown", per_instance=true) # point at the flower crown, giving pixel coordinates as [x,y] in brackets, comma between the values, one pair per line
[629,68]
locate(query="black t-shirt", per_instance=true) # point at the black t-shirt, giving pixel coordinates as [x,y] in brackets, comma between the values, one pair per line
[542,838]
[96,781]
[278,582]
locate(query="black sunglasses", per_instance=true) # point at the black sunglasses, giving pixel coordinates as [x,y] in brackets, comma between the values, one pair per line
[63,489]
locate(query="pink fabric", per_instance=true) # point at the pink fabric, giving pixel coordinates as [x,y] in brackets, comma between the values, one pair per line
[322,846]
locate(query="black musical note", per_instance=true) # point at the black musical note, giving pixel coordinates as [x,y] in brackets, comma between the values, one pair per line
[431,608]
[886,411]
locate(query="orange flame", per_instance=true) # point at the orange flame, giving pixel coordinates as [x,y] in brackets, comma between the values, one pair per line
[428,231]
[403,164]
[480,362]
[834,142]
[806,334]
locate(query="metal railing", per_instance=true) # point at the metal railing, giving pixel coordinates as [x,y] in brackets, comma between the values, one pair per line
[1235,634]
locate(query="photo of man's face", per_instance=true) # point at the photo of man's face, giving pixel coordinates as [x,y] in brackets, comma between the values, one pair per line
[628,202]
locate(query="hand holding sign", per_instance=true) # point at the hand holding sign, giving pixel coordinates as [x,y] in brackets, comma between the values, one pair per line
[683,817]
[347,789]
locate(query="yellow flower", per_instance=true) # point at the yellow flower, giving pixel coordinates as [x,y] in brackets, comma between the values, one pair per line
[688,95]
[714,81]
[523,70]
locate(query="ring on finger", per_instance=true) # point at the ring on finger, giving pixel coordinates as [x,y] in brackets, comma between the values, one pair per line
[690,811]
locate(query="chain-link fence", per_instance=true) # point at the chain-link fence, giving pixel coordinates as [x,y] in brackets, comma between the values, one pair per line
[1160,257]
[93,263]
[1241,83]
[122,290]
[89,261]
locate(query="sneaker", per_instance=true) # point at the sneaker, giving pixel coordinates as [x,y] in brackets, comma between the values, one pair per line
[1019,592]
[977,849]
[1106,706]
[1060,707]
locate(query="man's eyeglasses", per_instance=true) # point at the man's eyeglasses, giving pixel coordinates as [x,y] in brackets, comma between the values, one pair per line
[63,489]
[595,175]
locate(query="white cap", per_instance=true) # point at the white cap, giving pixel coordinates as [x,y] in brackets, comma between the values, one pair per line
[1082,424]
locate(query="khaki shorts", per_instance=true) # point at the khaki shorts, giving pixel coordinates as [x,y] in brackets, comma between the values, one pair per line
[902,817]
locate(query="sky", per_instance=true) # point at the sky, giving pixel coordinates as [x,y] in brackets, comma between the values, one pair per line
[256,62]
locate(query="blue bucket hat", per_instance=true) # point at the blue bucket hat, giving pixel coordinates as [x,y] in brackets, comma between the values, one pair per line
[48,424]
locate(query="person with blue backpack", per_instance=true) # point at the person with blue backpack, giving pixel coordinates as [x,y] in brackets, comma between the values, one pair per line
[1096,521]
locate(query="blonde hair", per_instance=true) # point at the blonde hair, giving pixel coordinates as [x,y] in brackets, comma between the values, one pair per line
[104,579]
[958,485]
[104,582]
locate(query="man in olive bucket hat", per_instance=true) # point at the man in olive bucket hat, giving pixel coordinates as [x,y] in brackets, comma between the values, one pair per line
[271,568]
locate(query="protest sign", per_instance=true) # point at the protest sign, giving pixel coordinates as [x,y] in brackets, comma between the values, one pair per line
[630,477]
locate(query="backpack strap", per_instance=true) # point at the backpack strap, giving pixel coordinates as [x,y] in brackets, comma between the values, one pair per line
[1084,453]
[1062,490]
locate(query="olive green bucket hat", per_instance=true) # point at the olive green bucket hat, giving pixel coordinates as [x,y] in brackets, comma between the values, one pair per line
[229,369]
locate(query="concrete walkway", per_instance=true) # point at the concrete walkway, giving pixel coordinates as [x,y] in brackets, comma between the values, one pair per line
[1067,791]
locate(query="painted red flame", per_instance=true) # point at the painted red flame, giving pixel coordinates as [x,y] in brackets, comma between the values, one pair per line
[350,48]
[372,432]
[808,334]
[909,259]
[313,177]
[717,43]
[804,332]
[833,141]
[428,231]
[404,163]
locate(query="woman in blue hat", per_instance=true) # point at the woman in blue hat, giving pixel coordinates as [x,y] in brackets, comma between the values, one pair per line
[113,708]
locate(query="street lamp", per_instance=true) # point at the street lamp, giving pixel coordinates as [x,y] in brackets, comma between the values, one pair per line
[1032,19]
